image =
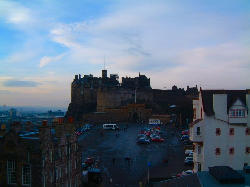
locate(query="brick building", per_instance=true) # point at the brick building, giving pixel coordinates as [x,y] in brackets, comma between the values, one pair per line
[48,157]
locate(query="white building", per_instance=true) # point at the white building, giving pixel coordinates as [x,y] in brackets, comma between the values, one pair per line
[221,129]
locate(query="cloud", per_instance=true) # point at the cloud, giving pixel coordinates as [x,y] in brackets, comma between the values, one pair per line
[15,13]
[153,37]
[20,83]
[46,59]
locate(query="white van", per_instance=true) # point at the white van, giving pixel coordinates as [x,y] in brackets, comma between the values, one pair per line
[110,126]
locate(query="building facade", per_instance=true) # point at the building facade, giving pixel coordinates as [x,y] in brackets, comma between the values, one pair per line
[220,130]
[45,158]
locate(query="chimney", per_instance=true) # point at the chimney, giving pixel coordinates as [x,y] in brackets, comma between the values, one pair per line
[104,73]
[76,77]
[80,76]
[70,119]
[44,123]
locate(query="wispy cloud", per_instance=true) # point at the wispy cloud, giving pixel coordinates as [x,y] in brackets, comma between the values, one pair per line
[20,83]
[15,13]
[46,59]
[172,42]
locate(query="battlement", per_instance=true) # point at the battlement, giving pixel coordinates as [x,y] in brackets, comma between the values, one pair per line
[89,81]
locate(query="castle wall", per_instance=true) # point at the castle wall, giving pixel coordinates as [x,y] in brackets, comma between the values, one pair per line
[118,97]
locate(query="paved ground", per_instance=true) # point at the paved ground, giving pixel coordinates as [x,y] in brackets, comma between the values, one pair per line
[110,146]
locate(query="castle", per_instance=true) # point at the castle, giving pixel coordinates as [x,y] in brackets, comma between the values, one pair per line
[106,99]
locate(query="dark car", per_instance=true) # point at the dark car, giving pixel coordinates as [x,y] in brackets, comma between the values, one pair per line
[184,137]
[189,161]
[143,141]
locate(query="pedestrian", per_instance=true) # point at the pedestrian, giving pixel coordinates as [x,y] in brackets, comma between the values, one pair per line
[110,180]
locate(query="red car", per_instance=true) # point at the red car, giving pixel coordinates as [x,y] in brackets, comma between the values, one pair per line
[148,133]
[157,139]
[89,161]
[179,175]
[185,132]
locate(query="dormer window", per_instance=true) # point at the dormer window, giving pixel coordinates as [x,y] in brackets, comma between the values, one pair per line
[237,113]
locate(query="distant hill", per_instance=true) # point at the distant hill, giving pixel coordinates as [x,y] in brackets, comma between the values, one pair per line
[32,108]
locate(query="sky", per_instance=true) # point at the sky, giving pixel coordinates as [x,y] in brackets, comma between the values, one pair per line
[44,43]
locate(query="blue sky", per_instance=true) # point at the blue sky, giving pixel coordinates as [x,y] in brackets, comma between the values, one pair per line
[43,43]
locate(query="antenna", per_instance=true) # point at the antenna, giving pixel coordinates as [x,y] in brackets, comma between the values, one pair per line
[104,63]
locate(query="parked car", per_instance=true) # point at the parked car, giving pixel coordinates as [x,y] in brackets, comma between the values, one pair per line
[188,151]
[189,161]
[157,139]
[178,174]
[89,161]
[184,137]
[188,172]
[110,126]
[191,154]
[185,132]
[143,141]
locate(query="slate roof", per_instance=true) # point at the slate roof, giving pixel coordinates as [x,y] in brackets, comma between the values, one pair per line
[232,96]
[226,175]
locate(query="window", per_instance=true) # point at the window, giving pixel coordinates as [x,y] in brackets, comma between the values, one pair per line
[247,131]
[231,151]
[199,149]
[199,166]
[201,113]
[217,151]
[194,113]
[57,173]
[218,132]
[11,171]
[231,131]
[59,153]
[198,132]
[237,113]
[51,156]
[44,180]
[26,175]
[247,150]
